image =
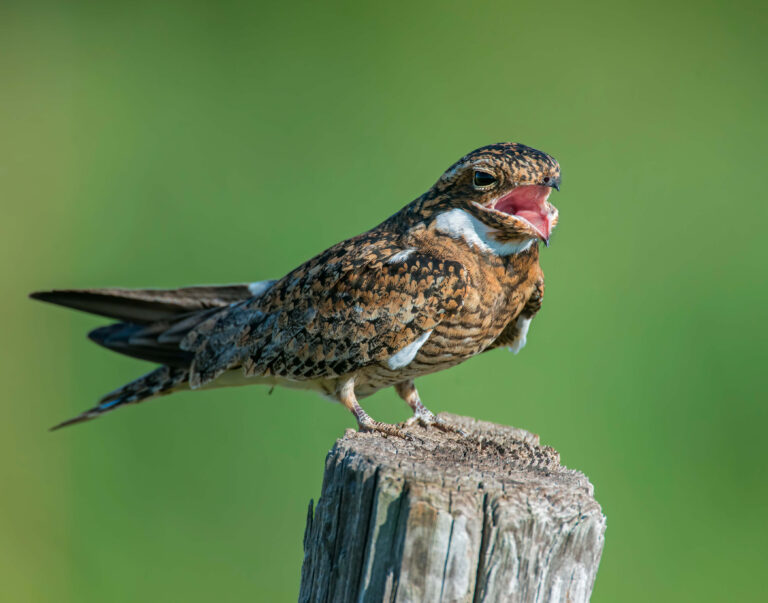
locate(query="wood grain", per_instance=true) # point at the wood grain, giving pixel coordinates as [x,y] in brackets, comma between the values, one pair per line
[490,517]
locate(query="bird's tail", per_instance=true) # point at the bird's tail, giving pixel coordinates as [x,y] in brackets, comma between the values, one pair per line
[161,381]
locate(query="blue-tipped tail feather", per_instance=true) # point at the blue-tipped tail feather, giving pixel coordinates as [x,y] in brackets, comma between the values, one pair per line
[160,381]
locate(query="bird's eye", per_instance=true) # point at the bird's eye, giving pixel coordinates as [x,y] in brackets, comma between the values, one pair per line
[483,179]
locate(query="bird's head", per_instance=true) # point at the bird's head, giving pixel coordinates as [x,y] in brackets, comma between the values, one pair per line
[505,186]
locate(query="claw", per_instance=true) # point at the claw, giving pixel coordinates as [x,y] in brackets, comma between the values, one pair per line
[368,424]
[429,419]
[444,425]
[421,414]
[346,396]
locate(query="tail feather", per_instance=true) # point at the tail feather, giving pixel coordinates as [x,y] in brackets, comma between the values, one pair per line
[161,381]
[153,325]
[144,306]
[146,342]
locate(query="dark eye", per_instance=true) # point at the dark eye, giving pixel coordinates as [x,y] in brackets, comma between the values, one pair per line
[483,179]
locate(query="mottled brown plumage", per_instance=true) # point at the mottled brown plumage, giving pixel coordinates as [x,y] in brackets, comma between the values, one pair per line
[452,274]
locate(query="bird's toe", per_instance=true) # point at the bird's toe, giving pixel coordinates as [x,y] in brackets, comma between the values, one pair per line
[429,419]
[385,428]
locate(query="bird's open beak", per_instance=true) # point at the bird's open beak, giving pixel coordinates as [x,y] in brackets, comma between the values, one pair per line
[529,203]
[549,223]
[551,210]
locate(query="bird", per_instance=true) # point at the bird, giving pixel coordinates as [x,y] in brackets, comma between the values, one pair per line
[453,274]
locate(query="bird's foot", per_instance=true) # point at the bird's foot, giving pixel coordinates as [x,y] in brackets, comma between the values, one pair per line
[421,414]
[367,424]
[426,418]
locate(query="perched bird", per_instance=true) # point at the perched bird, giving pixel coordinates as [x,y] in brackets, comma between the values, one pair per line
[452,274]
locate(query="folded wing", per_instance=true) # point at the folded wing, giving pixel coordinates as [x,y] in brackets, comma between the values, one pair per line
[331,317]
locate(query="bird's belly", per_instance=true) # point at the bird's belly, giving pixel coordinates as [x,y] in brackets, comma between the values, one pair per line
[235,378]
[448,345]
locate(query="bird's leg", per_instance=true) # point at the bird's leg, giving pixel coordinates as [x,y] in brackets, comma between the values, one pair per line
[347,397]
[421,414]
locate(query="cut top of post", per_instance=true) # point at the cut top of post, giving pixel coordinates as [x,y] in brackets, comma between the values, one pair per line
[490,458]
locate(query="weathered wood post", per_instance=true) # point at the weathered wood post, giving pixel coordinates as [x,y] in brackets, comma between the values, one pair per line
[490,517]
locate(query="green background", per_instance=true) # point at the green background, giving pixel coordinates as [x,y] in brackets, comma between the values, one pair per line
[159,144]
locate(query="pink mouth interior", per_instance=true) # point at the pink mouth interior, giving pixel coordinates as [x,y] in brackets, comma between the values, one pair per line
[528,202]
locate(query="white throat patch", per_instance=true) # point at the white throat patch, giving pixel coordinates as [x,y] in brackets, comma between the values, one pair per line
[460,224]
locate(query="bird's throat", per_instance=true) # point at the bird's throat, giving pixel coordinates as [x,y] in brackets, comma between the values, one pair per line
[461,225]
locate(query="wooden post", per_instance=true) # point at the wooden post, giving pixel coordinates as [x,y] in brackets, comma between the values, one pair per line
[490,517]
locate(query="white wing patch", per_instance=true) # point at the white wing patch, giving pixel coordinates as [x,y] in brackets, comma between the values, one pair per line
[400,256]
[523,324]
[405,356]
[460,224]
[259,288]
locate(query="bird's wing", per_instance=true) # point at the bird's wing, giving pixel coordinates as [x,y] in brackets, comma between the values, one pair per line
[155,320]
[145,306]
[331,316]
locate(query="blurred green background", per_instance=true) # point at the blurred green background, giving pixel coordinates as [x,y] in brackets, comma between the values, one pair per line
[167,144]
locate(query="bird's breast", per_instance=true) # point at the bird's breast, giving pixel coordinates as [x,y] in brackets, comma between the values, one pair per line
[497,292]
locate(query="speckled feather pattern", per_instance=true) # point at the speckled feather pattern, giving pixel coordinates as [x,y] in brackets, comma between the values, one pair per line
[342,311]
[339,317]
[348,309]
